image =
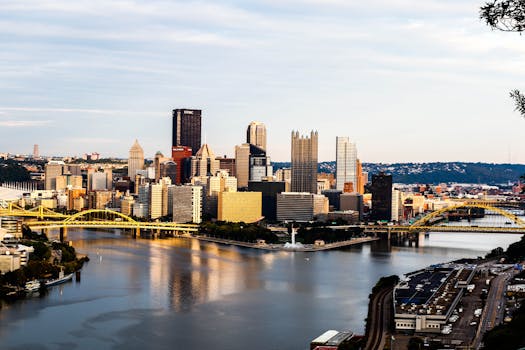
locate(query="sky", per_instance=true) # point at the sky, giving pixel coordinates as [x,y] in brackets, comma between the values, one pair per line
[406,80]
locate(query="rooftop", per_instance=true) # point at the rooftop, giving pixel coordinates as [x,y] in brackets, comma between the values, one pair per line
[431,291]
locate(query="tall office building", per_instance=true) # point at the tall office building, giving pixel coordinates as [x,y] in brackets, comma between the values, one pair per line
[187,204]
[304,162]
[155,201]
[256,135]
[97,181]
[141,205]
[260,164]
[381,189]
[251,164]
[169,169]
[135,160]
[346,163]
[187,129]
[181,155]
[52,170]
[242,164]
[108,171]
[36,152]
[397,205]
[157,161]
[361,180]
[64,182]
[228,164]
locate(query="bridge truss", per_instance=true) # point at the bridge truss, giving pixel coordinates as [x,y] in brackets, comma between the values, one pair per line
[45,218]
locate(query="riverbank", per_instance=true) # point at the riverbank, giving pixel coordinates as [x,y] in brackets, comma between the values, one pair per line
[282,247]
[48,262]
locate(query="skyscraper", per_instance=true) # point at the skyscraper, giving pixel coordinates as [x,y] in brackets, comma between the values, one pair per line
[52,170]
[256,135]
[169,169]
[304,162]
[135,160]
[251,164]
[346,163]
[381,197]
[242,164]
[187,129]
[36,152]
[181,155]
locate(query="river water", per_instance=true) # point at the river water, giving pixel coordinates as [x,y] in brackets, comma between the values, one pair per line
[186,294]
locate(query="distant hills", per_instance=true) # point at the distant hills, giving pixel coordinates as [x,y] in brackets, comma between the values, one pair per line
[434,173]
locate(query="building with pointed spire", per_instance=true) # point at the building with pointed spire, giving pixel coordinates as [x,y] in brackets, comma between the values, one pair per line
[135,160]
[204,163]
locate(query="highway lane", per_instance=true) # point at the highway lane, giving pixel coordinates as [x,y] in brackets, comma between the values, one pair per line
[494,306]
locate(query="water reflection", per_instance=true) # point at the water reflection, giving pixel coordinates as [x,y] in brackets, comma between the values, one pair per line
[135,293]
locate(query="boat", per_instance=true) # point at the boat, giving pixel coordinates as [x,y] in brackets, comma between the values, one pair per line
[61,279]
[32,286]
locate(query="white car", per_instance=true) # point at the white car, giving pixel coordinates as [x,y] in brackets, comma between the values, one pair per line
[446,329]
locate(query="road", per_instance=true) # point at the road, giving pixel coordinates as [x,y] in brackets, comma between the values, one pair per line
[380,316]
[495,304]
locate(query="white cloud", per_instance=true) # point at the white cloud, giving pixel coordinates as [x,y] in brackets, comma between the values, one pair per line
[285,62]
[112,112]
[23,123]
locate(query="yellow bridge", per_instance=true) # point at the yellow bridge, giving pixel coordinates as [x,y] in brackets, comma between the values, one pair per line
[44,218]
[516,225]
[430,222]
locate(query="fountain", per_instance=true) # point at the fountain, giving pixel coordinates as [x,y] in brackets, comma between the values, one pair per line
[293,244]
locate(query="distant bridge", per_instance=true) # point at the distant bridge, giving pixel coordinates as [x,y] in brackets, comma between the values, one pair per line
[428,223]
[423,224]
[45,218]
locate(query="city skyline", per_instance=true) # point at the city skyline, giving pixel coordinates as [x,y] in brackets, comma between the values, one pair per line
[420,77]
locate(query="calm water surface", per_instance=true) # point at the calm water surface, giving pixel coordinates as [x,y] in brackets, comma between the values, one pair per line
[184,294]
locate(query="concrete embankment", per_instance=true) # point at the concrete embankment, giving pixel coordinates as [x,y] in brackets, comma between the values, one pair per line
[281,247]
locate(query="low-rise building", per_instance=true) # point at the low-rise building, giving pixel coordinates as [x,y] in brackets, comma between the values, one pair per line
[239,206]
[425,300]
[300,206]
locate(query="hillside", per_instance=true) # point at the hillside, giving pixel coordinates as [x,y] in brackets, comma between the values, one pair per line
[433,173]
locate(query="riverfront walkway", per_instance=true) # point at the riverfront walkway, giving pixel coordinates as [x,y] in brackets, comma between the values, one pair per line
[281,247]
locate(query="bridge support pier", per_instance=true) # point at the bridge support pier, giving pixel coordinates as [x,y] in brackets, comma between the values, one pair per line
[136,232]
[63,234]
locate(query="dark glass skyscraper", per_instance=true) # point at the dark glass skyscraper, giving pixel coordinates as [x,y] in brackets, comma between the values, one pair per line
[187,129]
[381,197]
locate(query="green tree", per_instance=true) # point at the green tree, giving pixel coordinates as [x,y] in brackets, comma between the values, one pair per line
[42,251]
[10,171]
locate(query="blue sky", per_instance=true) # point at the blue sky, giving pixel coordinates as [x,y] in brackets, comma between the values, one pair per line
[407,80]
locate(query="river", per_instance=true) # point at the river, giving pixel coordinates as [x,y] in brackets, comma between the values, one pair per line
[186,294]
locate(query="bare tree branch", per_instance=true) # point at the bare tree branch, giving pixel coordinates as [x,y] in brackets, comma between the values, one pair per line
[519,100]
[504,15]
